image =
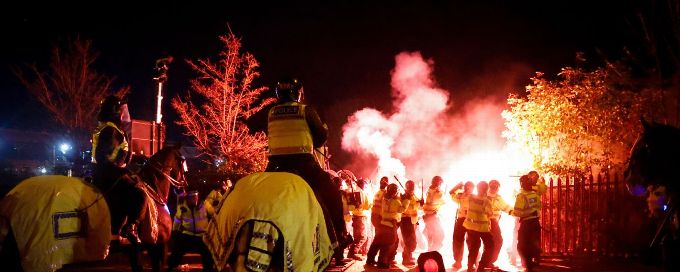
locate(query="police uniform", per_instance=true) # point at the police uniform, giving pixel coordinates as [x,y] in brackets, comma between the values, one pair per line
[433,227]
[409,219]
[527,208]
[386,240]
[458,229]
[189,225]
[478,226]
[110,155]
[360,212]
[293,132]
[498,205]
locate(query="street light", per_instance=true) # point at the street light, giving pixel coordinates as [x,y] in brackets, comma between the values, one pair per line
[64,147]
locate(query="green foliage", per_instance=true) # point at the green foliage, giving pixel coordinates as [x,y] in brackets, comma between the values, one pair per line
[581,120]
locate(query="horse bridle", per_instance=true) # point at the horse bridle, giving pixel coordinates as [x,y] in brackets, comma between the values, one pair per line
[182,182]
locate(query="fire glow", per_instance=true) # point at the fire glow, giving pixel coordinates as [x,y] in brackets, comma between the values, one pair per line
[426,136]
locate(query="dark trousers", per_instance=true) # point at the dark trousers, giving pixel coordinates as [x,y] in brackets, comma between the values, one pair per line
[385,243]
[183,243]
[473,243]
[326,192]
[127,202]
[359,233]
[458,239]
[529,242]
[433,232]
[408,233]
[497,240]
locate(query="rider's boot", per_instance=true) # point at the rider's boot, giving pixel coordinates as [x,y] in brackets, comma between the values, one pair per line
[129,231]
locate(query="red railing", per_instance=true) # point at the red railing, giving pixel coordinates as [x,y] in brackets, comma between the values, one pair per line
[591,216]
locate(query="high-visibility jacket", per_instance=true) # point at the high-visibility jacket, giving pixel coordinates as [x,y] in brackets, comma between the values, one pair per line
[412,211]
[288,131]
[190,221]
[392,210]
[377,202]
[345,208]
[363,209]
[119,153]
[212,201]
[433,201]
[478,214]
[462,199]
[498,205]
[527,204]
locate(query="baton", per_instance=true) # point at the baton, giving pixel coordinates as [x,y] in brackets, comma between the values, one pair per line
[402,186]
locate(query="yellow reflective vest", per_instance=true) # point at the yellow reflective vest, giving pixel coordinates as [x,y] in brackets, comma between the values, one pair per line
[478,214]
[462,199]
[527,205]
[364,208]
[377,202]
[288,131]
[190,221]
[212,201]
[498,205]
[412,211]
[392,210]
[122,149]
[433,201]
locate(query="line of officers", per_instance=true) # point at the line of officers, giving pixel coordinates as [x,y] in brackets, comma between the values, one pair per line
[477,216]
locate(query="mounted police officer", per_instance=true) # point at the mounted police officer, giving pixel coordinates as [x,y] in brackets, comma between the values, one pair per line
[294,132]
[110,155]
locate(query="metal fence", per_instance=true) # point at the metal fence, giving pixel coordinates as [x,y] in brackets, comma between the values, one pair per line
[592,216]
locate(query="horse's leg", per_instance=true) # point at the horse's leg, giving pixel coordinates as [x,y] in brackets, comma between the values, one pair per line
[157,253]
[135,255]
[9,253]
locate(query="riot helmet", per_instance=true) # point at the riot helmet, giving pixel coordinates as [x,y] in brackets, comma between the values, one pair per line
[110,109]
[391,191]
[289,90]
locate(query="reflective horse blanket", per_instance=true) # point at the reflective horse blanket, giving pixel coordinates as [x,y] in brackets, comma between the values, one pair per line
[56,220]
[270,209]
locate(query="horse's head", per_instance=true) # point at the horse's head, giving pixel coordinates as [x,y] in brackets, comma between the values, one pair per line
[653,158]
[168,167]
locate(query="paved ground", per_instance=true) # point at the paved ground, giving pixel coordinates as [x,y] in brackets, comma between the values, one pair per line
[119,262]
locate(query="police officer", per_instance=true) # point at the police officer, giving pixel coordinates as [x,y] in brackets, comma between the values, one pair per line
[188,228]
[294,131]
[527,208]
[498,205]
[433,202]
[386,240]
[478,227]
[460,194]
[409,219]
[213,199]
[360,208]
[110,155]
[376,210]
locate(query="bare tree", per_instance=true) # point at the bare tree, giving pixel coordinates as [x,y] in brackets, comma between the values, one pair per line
[70,88]
[217,126]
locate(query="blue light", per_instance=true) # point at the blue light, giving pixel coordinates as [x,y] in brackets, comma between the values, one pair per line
[64,147]
[665,207]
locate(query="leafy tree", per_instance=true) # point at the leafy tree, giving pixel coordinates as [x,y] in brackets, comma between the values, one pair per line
[580,120]
[70,89]
[217,126]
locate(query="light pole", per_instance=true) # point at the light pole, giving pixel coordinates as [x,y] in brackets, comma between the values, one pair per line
[161,76]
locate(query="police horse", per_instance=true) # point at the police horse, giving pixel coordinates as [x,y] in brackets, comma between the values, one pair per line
[269,221]
[655,162]
[72,221]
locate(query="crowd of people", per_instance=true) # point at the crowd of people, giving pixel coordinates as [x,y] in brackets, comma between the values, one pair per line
[394,209]
[294,133]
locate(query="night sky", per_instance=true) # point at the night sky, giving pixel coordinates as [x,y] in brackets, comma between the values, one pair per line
[343,53]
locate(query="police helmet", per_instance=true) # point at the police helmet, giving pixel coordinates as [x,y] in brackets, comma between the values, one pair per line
[110,109]
[289,90]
